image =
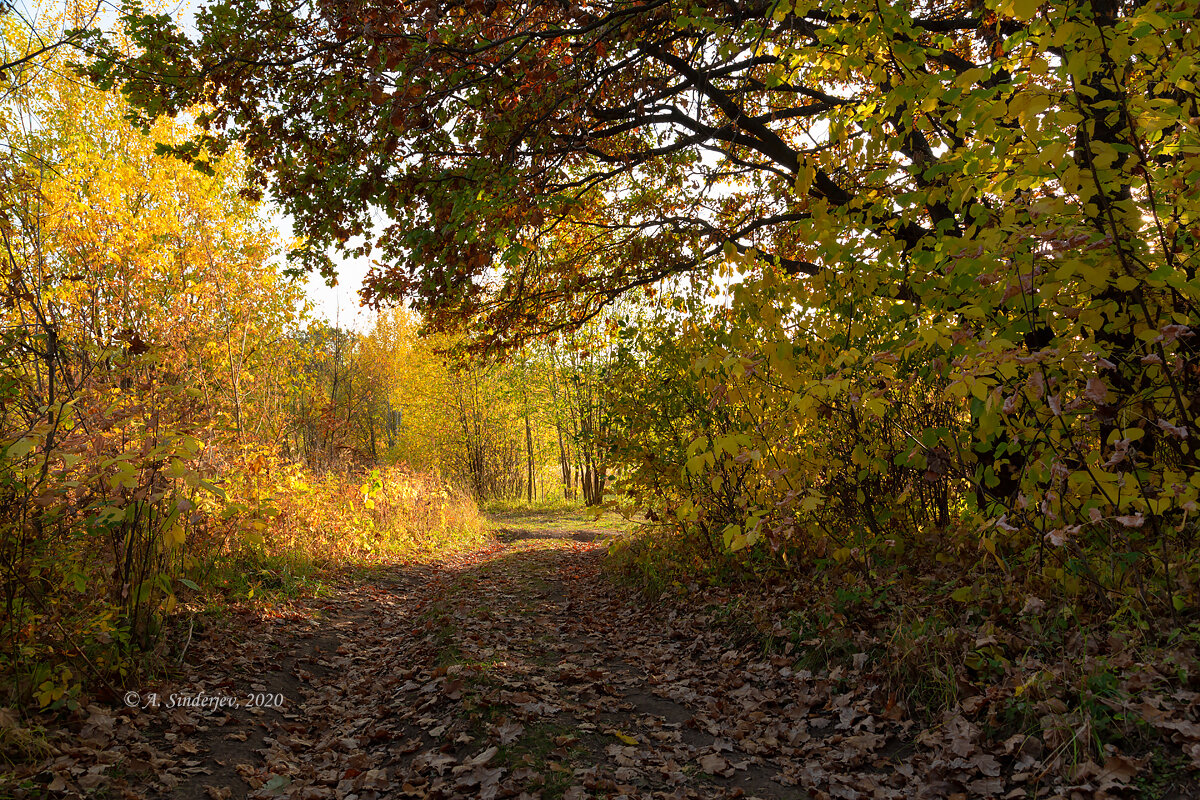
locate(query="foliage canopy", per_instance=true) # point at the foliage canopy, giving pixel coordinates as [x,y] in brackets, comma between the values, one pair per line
[834,139]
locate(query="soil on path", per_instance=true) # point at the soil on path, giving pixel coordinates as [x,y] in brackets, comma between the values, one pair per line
[522,671]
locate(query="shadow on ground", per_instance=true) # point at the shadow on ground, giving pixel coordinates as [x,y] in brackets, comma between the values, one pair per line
[508,534]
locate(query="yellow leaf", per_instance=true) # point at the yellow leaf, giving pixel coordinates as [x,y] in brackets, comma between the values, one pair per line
[174,536]
[1127,283]
[624,737]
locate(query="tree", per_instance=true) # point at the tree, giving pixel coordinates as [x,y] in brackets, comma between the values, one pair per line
[823,138]
[28,41]
[140,327]
[477,128]
[999,196]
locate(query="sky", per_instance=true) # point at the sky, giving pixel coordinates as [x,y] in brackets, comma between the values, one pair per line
[339,305]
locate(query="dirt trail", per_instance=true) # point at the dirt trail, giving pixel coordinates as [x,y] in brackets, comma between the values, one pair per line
[521,671]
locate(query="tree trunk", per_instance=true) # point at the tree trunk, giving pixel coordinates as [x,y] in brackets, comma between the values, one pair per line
[565,463]
[529,454]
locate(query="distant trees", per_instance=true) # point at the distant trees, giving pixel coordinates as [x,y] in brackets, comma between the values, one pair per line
[575,375]
[527,428]
[334,418]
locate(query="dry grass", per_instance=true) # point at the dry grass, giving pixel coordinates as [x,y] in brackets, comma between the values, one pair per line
[391,514]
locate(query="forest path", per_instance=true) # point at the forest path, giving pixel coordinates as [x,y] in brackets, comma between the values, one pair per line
[520,670]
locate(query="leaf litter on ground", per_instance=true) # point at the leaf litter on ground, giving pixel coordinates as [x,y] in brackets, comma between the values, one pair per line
[520,670]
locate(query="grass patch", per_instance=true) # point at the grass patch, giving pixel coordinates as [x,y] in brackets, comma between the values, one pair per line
[248,574]
[550,749]
[1168,775]
[522,509]
[563,517]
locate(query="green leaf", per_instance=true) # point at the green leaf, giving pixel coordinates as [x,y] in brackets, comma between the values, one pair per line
[21,447]
[276,784]
[1025,10]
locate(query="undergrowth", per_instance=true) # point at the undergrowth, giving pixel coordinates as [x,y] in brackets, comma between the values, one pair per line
[1084,673]
[266,532]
